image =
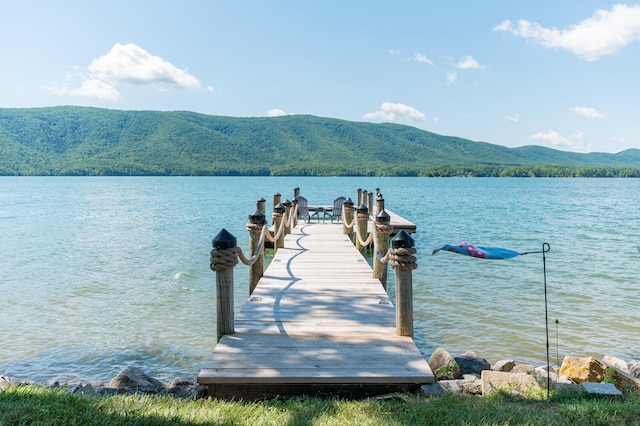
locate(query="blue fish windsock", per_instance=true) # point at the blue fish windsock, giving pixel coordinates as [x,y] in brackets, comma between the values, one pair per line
[477,251]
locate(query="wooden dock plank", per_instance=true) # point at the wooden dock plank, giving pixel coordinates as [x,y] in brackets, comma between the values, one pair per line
[317,317]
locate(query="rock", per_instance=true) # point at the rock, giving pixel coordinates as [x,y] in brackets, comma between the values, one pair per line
[505,365]
[443,365]
[105,390]
[634,368]
[132,379]
[432,389]
[471,384]
[185,388]
[604,389]
[611,361]
[470,363]
[6,382]
[450,386]
[493,381]
[583,369]
[522,368]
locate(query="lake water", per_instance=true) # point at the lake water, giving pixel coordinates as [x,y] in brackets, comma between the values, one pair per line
[98,274]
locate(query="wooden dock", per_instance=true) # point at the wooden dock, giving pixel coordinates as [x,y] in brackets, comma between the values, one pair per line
[317,323]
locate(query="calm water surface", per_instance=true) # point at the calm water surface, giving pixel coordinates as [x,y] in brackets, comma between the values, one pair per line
[98,274]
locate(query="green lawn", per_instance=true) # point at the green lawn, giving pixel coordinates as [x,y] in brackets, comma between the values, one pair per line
[34,405]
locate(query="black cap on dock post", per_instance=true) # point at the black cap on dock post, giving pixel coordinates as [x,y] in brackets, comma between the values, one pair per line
[224,240]
[257,218]
[402,240]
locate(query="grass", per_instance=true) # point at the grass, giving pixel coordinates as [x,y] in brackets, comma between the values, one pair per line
[37,406]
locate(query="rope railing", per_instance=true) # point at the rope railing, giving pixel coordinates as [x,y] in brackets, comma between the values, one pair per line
[260,247]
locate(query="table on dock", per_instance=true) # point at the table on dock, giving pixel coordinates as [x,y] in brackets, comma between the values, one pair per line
[317,322]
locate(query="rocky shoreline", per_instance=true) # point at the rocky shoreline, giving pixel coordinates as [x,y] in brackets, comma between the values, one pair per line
[467,373]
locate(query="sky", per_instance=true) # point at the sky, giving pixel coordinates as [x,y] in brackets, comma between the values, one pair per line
[557,73]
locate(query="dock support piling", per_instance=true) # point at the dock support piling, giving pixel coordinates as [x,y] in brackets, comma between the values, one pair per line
[278,220]
[256,223]
[363,220]
[224,257]
[403,262]
[349,210]
[383,230]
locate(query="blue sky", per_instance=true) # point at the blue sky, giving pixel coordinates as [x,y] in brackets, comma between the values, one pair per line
[562,73]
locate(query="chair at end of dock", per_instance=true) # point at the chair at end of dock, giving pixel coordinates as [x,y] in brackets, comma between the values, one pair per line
[336,210]
[303,208]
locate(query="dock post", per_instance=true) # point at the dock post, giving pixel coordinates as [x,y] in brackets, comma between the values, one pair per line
[224,257]
[296,192]
[404,262]
[363,220]
[262,205]
[347,207]
[383,230]
[278,215]
[289,225]
[370,202]
[276,200]
[256,223]
[379,202]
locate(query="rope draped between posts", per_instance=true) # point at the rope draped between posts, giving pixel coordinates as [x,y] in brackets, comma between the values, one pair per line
[380,228]
[280,228]
[345,222]
[361,241]
[253,228]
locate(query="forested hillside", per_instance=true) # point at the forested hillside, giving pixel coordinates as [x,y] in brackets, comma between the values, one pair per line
[93,141]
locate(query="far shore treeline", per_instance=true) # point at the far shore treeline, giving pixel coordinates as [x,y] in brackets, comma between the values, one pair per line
[82,141]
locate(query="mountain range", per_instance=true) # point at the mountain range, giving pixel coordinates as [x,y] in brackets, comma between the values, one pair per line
[70,140]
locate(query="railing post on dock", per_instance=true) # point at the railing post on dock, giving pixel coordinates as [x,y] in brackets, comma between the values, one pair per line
[257,221]
[383,230]
[262,205]
[224,257]
[363,220]
[359,198]
[276,200]
[288,226]
[379,202]
[404,262]
[347,207]
[278,215]
[370,203]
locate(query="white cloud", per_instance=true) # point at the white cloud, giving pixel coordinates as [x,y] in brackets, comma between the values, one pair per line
[588,112]
[394,52]
[452,77]
[513,118]
[394,112]
[276,113]
[576,143]
[605,33]
[420,57]
[125,64]
[469,63]
[131,64]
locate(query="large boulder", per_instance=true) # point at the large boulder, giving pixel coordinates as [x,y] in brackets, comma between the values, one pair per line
[634,368]
[470,363]
[494,381]
[134,380]
[611,361]
[581,370]
[443,366]
[505,365]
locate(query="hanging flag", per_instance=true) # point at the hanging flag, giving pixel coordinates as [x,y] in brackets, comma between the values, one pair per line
[477,251]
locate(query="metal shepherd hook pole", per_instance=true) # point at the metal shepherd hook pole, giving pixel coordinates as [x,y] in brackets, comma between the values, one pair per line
[545,248]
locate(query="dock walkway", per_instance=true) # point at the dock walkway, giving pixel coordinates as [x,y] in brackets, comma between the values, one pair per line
[316,323]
